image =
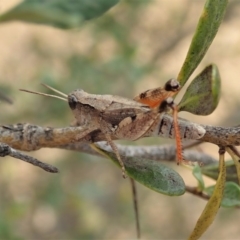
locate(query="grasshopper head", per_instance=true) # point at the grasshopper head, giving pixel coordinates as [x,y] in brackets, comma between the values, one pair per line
[75,97]
[72,101]
[172,85]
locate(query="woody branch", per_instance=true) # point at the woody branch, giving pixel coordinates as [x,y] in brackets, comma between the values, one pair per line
[27,137]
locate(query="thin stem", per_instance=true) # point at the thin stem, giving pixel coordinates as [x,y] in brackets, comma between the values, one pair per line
[135,204]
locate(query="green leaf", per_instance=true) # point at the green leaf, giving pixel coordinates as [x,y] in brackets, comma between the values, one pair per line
[206,30]
[198,175]
[231,195]
[211,209]
[211,171]
[151,174]
[58,13]
[202,95]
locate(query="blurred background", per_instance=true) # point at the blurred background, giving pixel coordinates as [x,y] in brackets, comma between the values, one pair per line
[135,46]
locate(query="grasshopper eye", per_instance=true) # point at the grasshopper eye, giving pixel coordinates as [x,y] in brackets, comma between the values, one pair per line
[72,101]
[172,85]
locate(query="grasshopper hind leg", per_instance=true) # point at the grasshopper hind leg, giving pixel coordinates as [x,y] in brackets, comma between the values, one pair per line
[115,149]
[179,149]
[169,102]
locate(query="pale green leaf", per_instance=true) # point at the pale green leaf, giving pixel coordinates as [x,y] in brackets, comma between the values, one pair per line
[198,175]
[210,211]
[202,95]
[58,13]
[151,174]
[231,195]
[212,171]
[206,30]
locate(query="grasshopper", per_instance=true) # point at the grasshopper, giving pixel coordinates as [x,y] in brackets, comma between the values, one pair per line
[119,117]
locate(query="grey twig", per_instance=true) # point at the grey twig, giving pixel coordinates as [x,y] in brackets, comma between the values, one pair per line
[194,191]
[28,137]
[5,150]
[166,152]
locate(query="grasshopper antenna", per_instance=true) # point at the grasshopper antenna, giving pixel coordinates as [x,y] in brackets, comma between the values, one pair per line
[44,94]
[55,90]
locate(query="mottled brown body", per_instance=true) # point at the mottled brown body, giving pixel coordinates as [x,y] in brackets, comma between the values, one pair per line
[117,117]
[113,115]
[91,108]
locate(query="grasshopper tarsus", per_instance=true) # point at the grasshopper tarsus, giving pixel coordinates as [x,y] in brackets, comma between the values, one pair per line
[124,172]
[191,163]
